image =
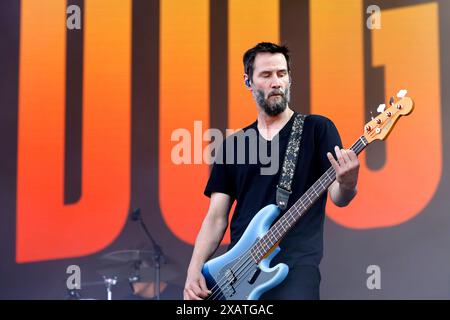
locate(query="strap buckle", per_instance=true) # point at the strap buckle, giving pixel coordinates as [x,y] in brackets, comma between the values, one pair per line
[282,197]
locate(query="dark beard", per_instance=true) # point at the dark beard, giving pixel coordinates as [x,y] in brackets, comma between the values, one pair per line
[271,108]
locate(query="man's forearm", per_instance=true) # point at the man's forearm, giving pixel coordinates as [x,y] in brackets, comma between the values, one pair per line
[208,240]
[340,195]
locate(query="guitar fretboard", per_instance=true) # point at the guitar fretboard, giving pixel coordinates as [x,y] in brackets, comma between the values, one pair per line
[277,232]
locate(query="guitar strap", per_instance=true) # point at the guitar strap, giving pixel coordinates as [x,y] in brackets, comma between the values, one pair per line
[290,160]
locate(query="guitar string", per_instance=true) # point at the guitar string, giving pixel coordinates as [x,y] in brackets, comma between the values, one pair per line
[247,266]
[248,262]
[240,274]
[356,146]
[295,210]
[359,144]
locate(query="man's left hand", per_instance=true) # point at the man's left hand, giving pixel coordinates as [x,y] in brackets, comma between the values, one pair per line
[346,167]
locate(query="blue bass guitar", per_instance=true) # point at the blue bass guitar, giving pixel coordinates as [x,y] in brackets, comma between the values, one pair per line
[244,272]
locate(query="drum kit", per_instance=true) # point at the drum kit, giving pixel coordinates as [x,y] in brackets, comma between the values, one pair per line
[134,266]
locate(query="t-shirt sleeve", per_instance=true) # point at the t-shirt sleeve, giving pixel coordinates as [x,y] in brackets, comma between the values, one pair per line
[328,138]
[221,178]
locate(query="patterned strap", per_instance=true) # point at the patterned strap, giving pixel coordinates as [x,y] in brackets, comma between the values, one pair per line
[289,163]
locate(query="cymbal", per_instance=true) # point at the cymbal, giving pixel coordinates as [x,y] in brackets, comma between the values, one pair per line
[128,256]
[138,264]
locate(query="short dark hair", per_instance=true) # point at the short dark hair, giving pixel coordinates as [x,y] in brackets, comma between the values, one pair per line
[250,55]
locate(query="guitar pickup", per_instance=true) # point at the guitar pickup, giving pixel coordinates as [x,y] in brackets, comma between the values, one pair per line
[254,276]
[229,275]
[229,291]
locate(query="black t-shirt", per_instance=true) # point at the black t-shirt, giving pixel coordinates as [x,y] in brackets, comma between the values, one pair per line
[303,245]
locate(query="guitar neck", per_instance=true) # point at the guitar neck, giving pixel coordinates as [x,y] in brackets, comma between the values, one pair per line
[277,232]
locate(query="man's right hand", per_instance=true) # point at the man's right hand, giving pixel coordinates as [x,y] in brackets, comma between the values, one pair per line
[195,287]
[208,239]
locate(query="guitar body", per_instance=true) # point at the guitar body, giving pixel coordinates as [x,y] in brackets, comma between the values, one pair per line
[251,280]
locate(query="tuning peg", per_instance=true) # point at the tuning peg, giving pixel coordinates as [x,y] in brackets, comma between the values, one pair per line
[381,108]
[391,101]
[402,93]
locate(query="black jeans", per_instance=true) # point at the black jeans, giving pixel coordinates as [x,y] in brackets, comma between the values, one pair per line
[301,283]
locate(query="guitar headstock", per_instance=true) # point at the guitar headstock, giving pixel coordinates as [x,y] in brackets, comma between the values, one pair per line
[380,127]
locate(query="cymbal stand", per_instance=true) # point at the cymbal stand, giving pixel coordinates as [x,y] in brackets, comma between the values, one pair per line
[109,282]
[158,256]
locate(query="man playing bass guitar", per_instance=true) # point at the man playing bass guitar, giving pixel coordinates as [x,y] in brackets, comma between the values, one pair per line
[267,76]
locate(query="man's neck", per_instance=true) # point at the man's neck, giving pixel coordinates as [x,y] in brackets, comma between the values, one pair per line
[269,126]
